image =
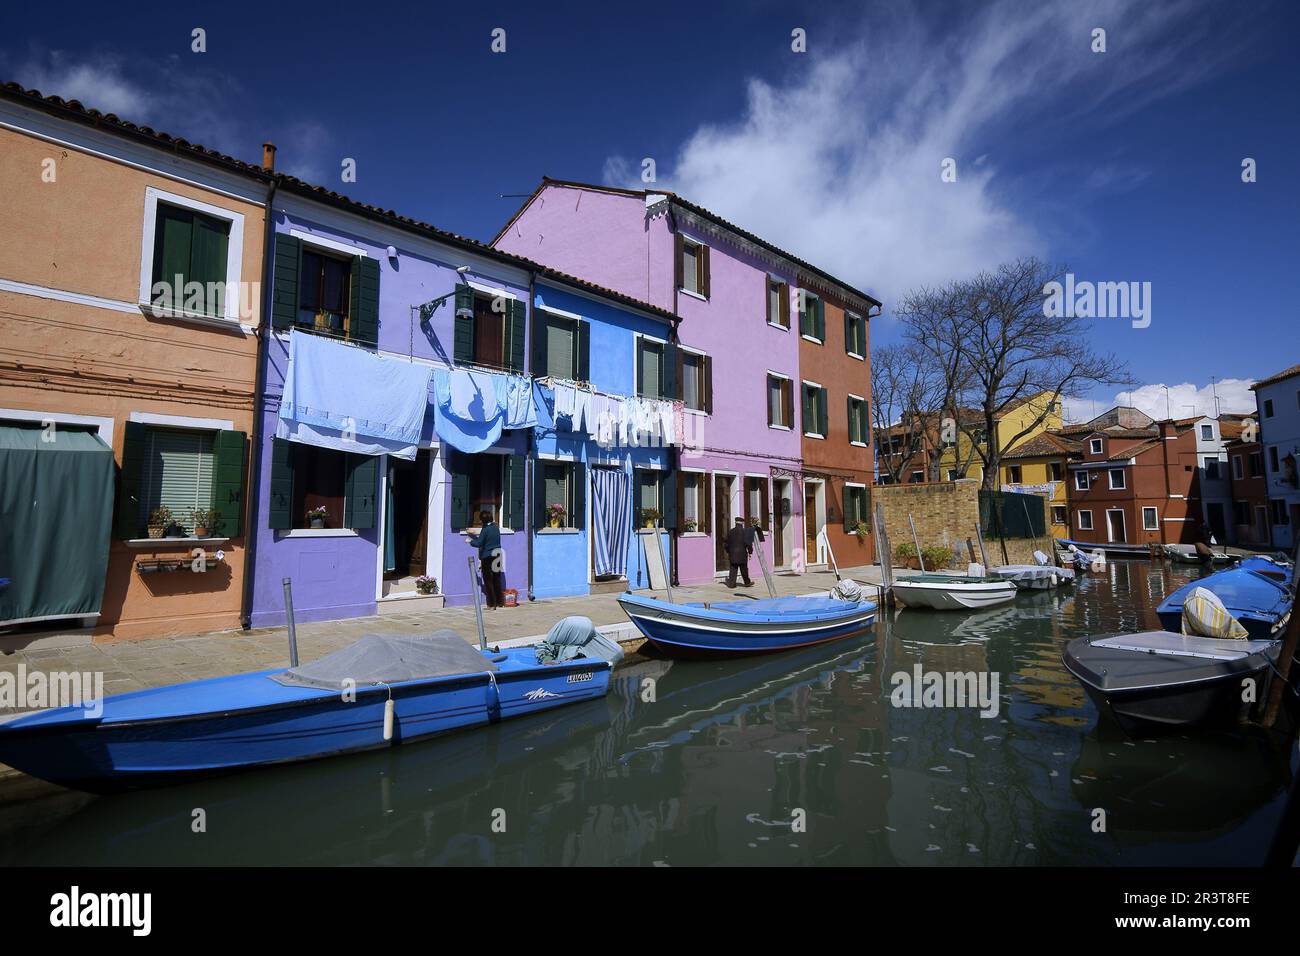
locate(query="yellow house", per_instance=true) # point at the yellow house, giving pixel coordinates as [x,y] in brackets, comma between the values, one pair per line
[1039,466]
[1019,417]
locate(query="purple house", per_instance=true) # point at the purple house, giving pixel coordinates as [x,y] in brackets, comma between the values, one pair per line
[737,356]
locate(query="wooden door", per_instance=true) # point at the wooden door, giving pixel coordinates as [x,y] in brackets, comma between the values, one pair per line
[721,520]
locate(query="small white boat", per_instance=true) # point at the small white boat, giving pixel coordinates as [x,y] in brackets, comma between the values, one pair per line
[1027,577]
[1187,554]
[951,592]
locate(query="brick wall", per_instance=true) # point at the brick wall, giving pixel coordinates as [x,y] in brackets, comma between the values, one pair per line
[947,513]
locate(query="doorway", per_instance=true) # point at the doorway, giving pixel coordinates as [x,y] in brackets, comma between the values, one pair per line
[781,530]
[723,488]
[814,517]
[1218,527]
[406,522]
[1115,526]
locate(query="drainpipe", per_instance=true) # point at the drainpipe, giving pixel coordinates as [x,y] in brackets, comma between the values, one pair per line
[530,446]
[263,347]
[674,451]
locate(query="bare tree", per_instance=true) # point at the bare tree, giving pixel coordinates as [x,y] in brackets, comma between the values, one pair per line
[995,348]
[905,404]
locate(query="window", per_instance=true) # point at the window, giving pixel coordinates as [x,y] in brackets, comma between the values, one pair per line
[1241,512]
[778,302]
[692,485]
[190,257]
[1212,468]
[1272,459]
[858,427]
[1150,519]
[856,506]
[855,335]
[1094,446]
[1256,464]
[649,494]
[486,485]
[1081,481]
[557,355]
[1056,470]
[1268,408]
[1238,472]
[1085,520]
[176,473]
[319,481]
[697,381]
[755,503]
[1116,478]
[812,316]
[814,410]
[1013,474]
[1058,514]
[650,371]
[557,489]
[780,401]
[692,266]
[953,474]
[324,292]
[489,328]
[1279,511]
[1207,433]
[917,477]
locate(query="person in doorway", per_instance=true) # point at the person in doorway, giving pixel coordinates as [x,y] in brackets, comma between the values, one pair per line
[738,551]
[488,543]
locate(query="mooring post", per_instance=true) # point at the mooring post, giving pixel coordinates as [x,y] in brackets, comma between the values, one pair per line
[288,617]
[478,603]
[916,542]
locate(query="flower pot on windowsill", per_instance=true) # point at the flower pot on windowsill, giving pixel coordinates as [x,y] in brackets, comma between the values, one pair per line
[200,532]
[156,530]
[317,523]
[554,523]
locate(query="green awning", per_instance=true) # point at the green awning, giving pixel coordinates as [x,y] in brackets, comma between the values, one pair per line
[56,514]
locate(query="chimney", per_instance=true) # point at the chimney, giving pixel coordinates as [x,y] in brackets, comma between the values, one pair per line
[1167,429]
[268,156]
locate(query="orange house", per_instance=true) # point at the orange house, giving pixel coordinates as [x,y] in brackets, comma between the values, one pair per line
[130,264]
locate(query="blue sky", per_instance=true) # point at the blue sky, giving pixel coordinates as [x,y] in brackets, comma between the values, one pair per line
[1123,165]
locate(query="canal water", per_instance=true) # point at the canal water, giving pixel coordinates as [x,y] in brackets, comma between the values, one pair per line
[798,759]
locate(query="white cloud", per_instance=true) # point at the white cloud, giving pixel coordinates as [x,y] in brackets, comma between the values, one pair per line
[841,163]
[1184,401]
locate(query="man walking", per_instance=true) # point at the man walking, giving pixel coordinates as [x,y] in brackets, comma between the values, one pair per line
[738,551]
[488,543]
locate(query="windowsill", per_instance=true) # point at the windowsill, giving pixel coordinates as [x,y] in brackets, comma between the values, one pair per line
[855,355]
[809,338]
[695,411]
[160,544]
[149,310]
[780,428]
[469,531]
[319,533]
[650,530]
[778,325]
[693,295]
[557,530]
[694,534]
[814,435]
[858,444]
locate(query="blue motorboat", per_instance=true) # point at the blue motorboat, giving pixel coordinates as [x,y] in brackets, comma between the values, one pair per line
[1260,603]
[726,628]
[1279,569]
[382,690]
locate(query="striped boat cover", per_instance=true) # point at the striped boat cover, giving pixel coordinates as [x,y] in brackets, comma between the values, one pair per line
[1205,616]
[611,519]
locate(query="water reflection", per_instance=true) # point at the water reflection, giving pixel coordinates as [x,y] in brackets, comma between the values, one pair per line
[710,762]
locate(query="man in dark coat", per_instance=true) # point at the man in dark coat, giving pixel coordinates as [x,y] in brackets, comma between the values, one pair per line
[738,551]
[488,545]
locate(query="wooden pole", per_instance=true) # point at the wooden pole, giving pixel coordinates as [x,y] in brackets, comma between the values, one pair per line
[979,536]
[915,542]
[478,603]
[1281,683]
[886,557]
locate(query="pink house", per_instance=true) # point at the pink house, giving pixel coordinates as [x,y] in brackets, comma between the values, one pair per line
[735,361]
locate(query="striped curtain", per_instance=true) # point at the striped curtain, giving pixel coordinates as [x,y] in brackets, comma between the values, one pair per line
[611,519]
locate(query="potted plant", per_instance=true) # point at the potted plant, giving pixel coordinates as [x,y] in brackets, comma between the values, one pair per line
[860,529]
[689,525]
[160,519]
[204,520]
[316,516]
[649,516]
[906,555]
[555,515]
[937,556]
[426,585]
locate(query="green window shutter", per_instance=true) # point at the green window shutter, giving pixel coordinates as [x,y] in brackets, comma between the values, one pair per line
[649,363]
[668,495]
[172,244]
[360,491]
[805,324]
[849,505]
[584,350]
[821,320]
[518,319]
[669,388]
[363,311]
[559,334]
[848,332]
[128,482]
[578,511]
[176,473]
[515,517]
[279,512]
[703,253]
[541,493]
[464,334]
[807,421]
[211,239]
[459,513]
[708,384]
[229,449]
[541,323]
[822,424]
[284,300]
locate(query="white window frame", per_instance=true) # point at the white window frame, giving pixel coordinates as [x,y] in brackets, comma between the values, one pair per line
[847,351]
[859,444]
[682,385]
[1110,479]
[1089,526]
[784,378]
[577,321]
[856,484]
[636,354]
[1155,518]
[700,491]
[699,245]
[807,294]
[1095,446]
[1065,515]
[808,434]
[1206,427]
[103,425]
[1120,512]
[1081,481]
[234,257]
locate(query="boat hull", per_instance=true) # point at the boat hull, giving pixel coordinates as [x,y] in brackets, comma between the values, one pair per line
[110,753]
[953,597]
[686,630]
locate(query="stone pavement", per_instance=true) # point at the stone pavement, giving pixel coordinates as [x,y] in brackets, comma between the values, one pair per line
[135,665]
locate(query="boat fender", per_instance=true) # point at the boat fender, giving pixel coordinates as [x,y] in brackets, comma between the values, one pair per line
[390,714]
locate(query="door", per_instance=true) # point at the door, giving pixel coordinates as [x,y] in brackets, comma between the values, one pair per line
[1115,526]
[781,503]
[1261,525]
[1214,512]
[810,522]
[721,519]
[406,516]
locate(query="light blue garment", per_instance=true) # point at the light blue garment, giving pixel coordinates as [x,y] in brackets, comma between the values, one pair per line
[333,438]
[470,408]
[544,405]
[342,391]
[611,519]
[520,412]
